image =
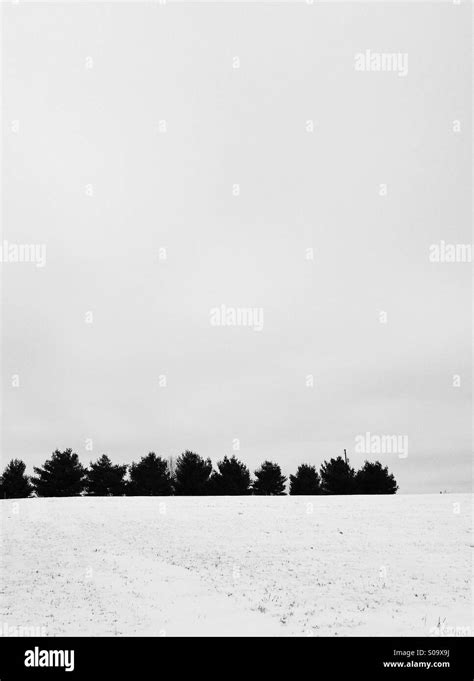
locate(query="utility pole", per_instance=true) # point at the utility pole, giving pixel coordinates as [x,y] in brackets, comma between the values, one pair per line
[345,456]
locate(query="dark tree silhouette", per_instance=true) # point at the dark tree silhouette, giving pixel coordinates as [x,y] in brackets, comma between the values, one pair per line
[269,480]
[105,479]
[306,480]
[372,478]
[150,477]
[231,478]
[337,477]
[192,475]
[14,484]
[61,476]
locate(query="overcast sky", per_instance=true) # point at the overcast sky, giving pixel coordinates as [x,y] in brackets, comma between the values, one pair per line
[88,174]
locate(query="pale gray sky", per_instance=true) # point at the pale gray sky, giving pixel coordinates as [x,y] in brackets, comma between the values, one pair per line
[88,85]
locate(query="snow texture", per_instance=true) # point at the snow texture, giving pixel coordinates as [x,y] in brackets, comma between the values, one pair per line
[271,566]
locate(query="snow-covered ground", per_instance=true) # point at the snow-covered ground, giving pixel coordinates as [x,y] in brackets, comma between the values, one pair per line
[337,566]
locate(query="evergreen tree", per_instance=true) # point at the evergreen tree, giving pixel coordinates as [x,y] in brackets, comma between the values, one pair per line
[372,478]
[104,479]
[14,484]
[192,475]
[232,478]
[306,480]
[269,480]
[61,476]
[337,477]
[150,477]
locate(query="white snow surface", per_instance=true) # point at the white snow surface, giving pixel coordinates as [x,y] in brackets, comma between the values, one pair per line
[243,566]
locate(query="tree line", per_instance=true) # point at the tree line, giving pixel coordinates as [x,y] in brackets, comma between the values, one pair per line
[63,475]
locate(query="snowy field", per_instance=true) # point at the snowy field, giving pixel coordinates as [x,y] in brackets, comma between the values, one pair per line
[334,566]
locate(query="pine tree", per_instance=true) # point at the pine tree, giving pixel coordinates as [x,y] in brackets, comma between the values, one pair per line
[14,484]
[232,478]
[150,477]
[372,478]
[269,480]
[105,479]
[337,477]
[192,475]
[306,480]
[61,476]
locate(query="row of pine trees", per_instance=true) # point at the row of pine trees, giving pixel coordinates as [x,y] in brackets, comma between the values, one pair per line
[63,475]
